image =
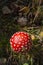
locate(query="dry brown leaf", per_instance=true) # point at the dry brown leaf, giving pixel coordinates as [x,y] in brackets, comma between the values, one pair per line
[32,36]
[41,34]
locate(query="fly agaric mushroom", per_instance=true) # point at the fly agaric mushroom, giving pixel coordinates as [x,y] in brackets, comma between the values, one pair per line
[20,41]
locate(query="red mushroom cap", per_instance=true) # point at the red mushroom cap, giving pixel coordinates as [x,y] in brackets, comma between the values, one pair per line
[20,41]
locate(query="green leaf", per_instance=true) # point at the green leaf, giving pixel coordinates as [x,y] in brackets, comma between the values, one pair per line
[25,64]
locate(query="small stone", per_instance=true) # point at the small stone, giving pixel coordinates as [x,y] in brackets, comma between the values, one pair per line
[2,60]
[6,10]
[22,21]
